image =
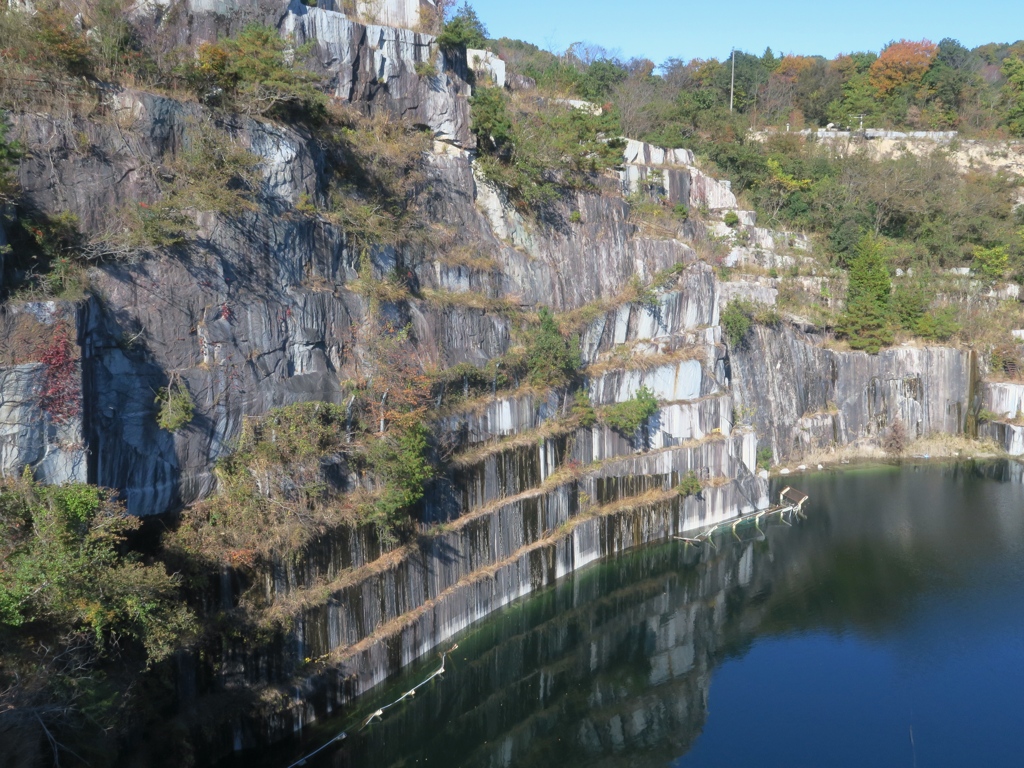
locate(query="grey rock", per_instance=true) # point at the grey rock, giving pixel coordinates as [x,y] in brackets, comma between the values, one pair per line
[488,68]
[374,67]
[804,396]
[53,449]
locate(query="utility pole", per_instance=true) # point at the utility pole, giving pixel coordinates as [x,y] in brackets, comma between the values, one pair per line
[732,80]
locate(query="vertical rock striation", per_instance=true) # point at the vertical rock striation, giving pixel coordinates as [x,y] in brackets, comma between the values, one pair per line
[804,397]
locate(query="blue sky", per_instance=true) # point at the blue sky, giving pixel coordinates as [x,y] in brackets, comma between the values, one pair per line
[659,29]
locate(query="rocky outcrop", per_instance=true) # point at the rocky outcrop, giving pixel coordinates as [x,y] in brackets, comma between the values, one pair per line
[41,413]
[670,174]
[1005,401]
[801,396]
[568,266]
[1003,398]
[394,13]
[375,68]
[488,68]
[684,380]
[642,153]
[760,291]
[1009,437]
[487,562]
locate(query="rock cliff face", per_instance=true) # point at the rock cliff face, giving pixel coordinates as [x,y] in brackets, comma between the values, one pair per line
[376,66]
[802,397]
[33,434]
[262,311]
[1005,401]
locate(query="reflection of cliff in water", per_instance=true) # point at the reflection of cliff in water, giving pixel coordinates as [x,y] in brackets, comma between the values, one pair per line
[612,667]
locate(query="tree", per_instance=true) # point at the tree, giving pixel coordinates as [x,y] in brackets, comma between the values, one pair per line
[63,569]
[751,74]
[991,263]
[537,149]
[901,63]
[492,122]
[633,96]
[464,30]
[600,79]
[818,87]
[952,73]
[1013,71]
[867,320]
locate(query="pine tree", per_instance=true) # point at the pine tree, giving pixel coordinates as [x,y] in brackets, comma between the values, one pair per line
[867,322]
[464,30]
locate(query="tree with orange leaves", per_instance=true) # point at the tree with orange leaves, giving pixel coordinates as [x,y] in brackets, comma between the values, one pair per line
[901,63]
[791,67]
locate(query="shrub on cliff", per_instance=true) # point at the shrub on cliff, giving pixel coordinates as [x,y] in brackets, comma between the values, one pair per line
[551,359]
[739,316]
[535,148]
[896,439]
[991,263]
[938,325]
[582,409]
[79,613]
[736,321]
[255,73]
[273,490]
[377,173]
[64,566]
[399,459]
[628,416]
[690,485]
[47,40]
[213,172]
[174,406]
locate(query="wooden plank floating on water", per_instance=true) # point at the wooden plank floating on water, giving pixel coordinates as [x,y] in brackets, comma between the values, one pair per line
[790,500]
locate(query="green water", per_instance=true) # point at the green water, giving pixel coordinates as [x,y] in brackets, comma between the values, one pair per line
[885,629]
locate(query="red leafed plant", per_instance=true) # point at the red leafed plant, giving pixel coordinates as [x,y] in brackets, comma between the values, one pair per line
[61,395]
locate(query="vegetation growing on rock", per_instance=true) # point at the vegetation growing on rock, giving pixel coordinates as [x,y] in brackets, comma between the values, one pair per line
[80,613]
[628,416]
[463,30]
[740,315]
[690,485]
[174,406]
[536,147]
[375,230]
[252,73]
[866,322]
[550,358]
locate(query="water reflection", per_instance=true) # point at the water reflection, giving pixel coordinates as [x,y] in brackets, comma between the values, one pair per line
[614,667]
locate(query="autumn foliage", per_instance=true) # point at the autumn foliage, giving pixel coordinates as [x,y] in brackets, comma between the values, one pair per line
[61,393]
[901,63]
[791,67]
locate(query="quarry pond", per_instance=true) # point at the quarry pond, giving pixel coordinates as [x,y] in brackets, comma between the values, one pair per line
[886,628]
